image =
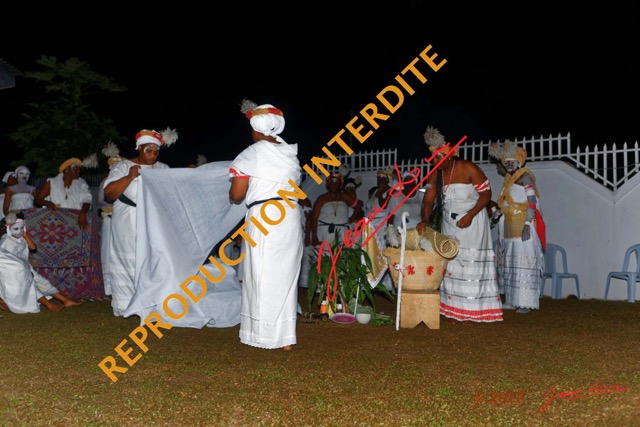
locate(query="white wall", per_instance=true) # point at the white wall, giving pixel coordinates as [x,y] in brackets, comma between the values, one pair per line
[593,224]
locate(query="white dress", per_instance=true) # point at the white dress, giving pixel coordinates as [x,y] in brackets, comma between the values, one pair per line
[20,284]
[20,201]
[271,268]
[333,221]
[122,244]
[522,263]
[105,235]
[469,289]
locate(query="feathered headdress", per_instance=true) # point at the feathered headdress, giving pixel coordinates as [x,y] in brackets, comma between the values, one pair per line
[90,162]
[201,159]
[169,136]
[112,153]
[508,150]
[435,140]
[247,105]
[110,150]
[251,109]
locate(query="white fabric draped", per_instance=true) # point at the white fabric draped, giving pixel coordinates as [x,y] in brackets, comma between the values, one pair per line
[522,263]
[122,239]
[71,198]
[469,290]
[271,268]
[181,214]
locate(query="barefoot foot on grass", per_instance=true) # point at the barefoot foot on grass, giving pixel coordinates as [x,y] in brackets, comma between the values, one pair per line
[52,306]
[72,303]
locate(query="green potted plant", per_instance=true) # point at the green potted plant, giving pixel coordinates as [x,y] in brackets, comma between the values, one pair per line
[344,271]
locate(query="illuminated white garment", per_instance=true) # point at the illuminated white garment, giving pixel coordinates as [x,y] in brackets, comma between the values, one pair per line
[271,268]
[522,262]
[20,284]
[20,201]
[72,197]
[122,244]
[469,290]
[196,202]
[333,221]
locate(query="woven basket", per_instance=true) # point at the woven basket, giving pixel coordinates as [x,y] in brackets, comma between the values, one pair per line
[423,271]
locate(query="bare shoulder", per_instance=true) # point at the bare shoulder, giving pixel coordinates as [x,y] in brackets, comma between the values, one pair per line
[474,173]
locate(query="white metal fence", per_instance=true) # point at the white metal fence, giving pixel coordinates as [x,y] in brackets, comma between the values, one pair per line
[610,166]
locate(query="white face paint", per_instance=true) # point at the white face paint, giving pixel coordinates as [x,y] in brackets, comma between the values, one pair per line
[511,165]
[23,175]
[16,230]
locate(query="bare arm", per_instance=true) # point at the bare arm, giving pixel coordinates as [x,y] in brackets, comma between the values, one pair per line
[238,190]
[7,201]
[313,222]
[30,244]
[114,189]
[39,198]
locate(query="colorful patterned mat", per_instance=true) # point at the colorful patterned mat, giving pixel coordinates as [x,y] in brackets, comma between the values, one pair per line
[67,256]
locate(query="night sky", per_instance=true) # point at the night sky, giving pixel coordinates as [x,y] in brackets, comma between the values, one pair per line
[514,73]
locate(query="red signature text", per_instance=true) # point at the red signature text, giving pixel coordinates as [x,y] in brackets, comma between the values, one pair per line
[596,390]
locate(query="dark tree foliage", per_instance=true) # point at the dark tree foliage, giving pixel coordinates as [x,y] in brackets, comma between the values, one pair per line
[64,126]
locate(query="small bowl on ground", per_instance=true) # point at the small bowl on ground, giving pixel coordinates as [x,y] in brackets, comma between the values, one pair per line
[363,318]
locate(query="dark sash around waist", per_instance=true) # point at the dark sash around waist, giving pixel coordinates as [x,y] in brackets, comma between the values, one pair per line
[257,202]
[127,201]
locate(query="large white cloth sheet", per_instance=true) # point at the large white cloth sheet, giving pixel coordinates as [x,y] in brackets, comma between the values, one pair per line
[181,214]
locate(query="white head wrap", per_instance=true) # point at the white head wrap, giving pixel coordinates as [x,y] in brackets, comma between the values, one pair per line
[13,219]
[167,137]
[6,176]
[267,123]
[21,168]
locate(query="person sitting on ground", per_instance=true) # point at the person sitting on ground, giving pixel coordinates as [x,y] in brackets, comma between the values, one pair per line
[67,190]
[21,286]
[20,195]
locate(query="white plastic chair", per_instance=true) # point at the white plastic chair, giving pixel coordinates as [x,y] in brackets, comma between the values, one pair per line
[551,271]
[631,277]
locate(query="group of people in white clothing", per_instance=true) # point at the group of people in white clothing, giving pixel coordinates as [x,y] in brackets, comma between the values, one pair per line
[22,288]
[272,261]
[470,290]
